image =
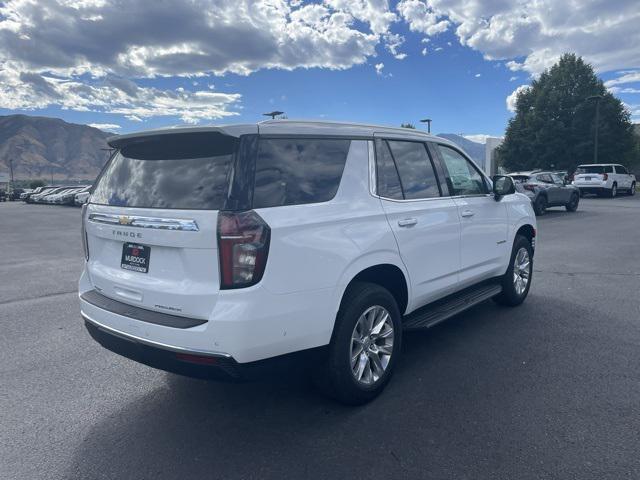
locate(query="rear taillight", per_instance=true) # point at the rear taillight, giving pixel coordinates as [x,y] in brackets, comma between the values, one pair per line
[605,177]
[529,187]
[243,244]
[83,234]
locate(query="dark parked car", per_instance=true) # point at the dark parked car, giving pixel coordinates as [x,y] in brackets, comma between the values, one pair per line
[15,194]
[3,196]
[547,189]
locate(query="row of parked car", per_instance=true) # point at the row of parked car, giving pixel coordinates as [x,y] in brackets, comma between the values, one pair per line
[76,195]
[558,189]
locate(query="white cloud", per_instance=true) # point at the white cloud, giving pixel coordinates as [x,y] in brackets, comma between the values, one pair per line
[424,51]
[478,75]
[83,55]
[605,34]
[374,12]
[394,41]
[379,67]
[513,79]
[511,99]
[105,126]
[422,17]
[91,54]
[33,91]
[626,77]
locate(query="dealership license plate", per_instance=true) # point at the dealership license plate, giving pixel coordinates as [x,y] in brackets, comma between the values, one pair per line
[135,257]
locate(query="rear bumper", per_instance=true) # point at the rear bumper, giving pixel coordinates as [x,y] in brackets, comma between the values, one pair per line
[587,189]
[193,364]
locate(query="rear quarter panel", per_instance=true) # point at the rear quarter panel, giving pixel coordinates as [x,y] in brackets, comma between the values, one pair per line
[323,246]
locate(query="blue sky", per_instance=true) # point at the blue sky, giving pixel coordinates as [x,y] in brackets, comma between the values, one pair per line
[358,60]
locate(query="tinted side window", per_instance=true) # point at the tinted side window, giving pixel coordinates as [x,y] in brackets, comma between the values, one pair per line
[621,170]
[416,171]
[293,171]
[464,177]
[608,169]
[388,182]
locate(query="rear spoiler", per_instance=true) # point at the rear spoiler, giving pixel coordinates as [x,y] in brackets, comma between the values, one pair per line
[120,141]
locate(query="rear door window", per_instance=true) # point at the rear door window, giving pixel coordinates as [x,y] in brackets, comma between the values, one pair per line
[417,175]
[621,170]
[388,181]
[294,171]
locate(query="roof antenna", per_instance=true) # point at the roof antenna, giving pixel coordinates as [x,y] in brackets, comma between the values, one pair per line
[273,114]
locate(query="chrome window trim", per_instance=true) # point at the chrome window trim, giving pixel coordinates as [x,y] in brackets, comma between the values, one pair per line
[373,184]
[373,174]
[157,223]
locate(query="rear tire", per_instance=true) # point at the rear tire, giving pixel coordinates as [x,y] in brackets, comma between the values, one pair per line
[572,206]
[365,308]
[517,281]
[540,205]
[614,191]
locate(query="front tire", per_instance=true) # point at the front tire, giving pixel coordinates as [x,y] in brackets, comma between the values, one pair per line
[365,345]
[517,281]
[572,206]
[632,190]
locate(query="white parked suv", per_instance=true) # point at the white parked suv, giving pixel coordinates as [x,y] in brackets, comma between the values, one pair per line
[220,251]
[604,179]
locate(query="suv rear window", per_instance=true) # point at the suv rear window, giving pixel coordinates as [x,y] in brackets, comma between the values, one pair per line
[594,169]
[184,171]
[294,171]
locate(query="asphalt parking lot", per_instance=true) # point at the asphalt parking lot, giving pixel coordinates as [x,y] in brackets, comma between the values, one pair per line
[547,390]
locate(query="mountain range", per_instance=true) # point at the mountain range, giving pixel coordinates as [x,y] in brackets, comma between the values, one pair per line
[43,147]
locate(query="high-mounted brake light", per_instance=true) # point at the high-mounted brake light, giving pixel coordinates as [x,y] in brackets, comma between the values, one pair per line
[243,244]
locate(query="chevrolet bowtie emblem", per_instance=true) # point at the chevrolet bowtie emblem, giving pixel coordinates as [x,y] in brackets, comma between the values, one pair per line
[123,220]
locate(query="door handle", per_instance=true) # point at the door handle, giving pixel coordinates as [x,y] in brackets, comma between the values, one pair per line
[407,222]
[467,213]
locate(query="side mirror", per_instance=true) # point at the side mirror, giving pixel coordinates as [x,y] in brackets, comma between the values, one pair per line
[503,185]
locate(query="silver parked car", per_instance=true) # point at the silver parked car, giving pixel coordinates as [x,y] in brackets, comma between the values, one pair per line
[546,189]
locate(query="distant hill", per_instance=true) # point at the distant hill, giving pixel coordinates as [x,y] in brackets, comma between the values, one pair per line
[474,149]
[40,146]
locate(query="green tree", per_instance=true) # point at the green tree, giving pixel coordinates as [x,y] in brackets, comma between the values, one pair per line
[407,125]
[554,124]
[36,183]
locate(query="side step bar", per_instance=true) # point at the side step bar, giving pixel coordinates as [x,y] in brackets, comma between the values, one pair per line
[436,312]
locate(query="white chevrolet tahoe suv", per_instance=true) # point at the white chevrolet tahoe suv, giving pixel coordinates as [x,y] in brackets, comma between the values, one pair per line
[604,179]
[219,251]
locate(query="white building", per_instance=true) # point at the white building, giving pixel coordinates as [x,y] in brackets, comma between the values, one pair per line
[490,146]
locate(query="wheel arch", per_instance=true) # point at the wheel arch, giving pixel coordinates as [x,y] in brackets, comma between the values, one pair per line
[388,275]
[527,230]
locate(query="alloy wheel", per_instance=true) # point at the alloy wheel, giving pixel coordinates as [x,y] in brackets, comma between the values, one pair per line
[371,345]
[521,270]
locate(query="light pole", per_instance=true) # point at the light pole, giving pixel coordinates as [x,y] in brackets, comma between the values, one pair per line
[597,98]
[428,122]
